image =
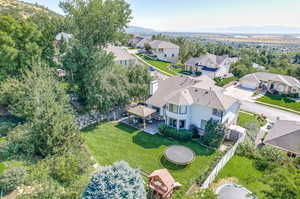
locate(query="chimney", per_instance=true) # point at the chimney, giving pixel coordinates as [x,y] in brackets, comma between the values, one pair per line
[153,87]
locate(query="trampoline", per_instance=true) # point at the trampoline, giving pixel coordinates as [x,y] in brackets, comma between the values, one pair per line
[233,191]
[179,155]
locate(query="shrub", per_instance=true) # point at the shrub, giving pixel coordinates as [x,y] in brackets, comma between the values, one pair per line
[7,123]
[262,164]
[272,154]
[247,149]
[195,131]
[11,178]
[214,134]
[116,181]
[198,73]
[182,135]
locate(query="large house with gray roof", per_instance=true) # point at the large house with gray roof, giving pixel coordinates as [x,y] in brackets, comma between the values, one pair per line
[285,135]
[184,101]
[122,56]
[282,83]
[211,65]
[164,50]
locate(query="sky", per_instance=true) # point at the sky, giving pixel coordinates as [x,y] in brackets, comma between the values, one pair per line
[203,15]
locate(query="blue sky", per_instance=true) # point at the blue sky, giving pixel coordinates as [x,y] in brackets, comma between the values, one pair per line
[201,15]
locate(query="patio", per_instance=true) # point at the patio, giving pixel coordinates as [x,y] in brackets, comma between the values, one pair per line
[143,118]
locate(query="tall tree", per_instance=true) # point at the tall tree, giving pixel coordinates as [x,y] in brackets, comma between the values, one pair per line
[19,44]
[97,22]
[41,101]
[116,181]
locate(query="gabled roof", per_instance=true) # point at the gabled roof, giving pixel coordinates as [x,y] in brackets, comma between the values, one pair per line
[141,111]
[209,60]
[186,90]
[264,76]
[162,44]
[120,53]
[285,134]
[164,176]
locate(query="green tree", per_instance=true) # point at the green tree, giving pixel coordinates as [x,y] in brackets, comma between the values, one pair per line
[116,181]
[214,134]
[95,23]
[41,101]
[19,44]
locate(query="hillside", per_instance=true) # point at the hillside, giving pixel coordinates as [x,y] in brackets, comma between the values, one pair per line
[20,8]
[140,30]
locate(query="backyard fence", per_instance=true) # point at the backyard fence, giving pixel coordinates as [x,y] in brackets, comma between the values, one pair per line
[222,163]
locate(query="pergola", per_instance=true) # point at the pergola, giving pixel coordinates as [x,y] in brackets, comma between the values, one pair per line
[142,112]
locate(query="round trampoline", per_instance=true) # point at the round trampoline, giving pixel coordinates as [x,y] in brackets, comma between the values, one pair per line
[179,155]
[233,191]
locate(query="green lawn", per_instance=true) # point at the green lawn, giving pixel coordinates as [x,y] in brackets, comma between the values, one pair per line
[160,65]
[244,171]
[280,100]
[245,117]
[111,142]
[2,167]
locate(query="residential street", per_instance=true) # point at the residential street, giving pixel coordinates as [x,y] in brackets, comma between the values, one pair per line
[270,112]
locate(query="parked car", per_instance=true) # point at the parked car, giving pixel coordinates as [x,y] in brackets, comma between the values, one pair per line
[151,68]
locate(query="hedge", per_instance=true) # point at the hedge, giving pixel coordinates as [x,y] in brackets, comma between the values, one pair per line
[182,135]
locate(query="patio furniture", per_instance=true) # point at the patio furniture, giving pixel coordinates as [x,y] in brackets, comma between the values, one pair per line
[179,155]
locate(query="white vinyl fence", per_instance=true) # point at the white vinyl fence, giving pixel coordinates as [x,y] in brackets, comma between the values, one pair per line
[222,163]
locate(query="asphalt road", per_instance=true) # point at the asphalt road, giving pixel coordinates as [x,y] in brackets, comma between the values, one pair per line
[269,112]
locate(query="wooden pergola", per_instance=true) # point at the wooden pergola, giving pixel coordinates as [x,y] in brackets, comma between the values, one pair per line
[142,112]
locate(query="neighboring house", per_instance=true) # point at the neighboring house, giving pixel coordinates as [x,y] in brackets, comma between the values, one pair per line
[282,83]
[258,67]
[211,65]
[164,50]
[141,44]
[122,56]
[134,41]
[285,135]
[183,101]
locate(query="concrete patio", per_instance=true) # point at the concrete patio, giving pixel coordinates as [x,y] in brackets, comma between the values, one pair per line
[150,128]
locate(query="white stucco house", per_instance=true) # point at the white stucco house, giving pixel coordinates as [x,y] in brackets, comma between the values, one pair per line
[122,56]
[211,65]
[164,50]
[184,101]
[282,83]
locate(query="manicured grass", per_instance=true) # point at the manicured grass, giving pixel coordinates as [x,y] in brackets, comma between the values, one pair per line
[160,65]
[111,142]
[244,171]
[280,100]
[2,139]
[245,117]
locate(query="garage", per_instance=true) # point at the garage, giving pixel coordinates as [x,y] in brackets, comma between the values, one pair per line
[249,82]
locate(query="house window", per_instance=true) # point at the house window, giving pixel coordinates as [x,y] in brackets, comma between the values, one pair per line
[183,110]
[294,90]
[181,124]
[173,108]
[203,124]
[217,112]
[173,55]
[165,55]
[173,122]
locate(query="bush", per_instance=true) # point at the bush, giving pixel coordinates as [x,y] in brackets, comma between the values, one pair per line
[195,131]
[198,73]
[182,135]
[214,134]
[262,164]
[11,178]
[7,123]
[272,154]
[246,149]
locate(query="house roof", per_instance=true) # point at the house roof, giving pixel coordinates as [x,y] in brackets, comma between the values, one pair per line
[162,44]
[264,76]
[209,60]
[164,176]
[141,111]
[285,134]
[120,53]
[186,90]
[143,41]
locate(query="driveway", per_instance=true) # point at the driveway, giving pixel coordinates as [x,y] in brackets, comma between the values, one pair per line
[248,104]
[239,93]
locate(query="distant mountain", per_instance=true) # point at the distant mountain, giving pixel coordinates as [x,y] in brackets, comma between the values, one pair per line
[140,30]
[259,30]
[24,9]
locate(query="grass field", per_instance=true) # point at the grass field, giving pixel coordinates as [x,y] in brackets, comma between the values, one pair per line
[111,142]
[160,65]
[280,100]
[245,117]
[246,174]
